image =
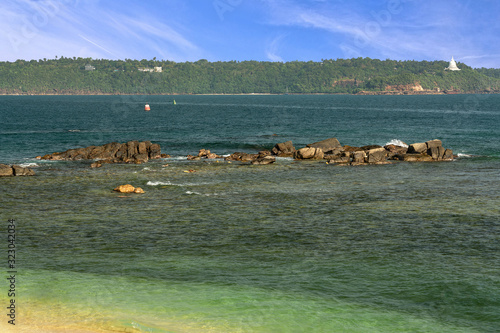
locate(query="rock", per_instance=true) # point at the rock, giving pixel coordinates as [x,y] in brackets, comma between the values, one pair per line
[132,148]
[340,159]
[370,147]
[434,143]
[326,145]
[15,170]
[376,155]
[393,150]
[154,151]
[110,150]
[204,153]
[264,153]
[131,152]
[242,157]
[309,153]
[20,171]
[448,155]
[284,149]
[141,148]
[351,149]
[414,157]
[436,153]
[125,189]
[139,190]
[141,158]
[96,165]
[6,170]
[417,148]
[264,160]
[359,157]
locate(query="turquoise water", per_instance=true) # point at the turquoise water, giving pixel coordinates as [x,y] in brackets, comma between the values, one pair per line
[289,247]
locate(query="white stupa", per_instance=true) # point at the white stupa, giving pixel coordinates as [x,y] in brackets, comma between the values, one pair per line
[452,66]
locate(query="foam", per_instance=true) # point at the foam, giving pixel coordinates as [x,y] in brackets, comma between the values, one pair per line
[28,165]
[397,142]
[198,193]
[157,183]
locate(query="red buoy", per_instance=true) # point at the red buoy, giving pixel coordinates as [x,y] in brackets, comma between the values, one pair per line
[146,107]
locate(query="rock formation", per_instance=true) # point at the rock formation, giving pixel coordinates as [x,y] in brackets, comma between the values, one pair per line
[203,153]
[333,152]
[15,170]
[427,151]
[114,152]
[264,157]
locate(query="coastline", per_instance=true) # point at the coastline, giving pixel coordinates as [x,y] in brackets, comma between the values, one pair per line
[361,93]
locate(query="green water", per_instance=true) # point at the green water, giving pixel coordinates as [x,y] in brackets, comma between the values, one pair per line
[289,247]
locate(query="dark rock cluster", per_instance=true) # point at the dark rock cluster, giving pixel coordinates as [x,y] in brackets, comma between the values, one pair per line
[114,152]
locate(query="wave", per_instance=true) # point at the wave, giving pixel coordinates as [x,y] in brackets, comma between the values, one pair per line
[168,183]
[28,165]
[397,142]
[461,155]
[198,193]
[152,183]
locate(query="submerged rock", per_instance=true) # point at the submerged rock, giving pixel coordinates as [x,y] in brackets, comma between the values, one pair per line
[264,160]
[15,170]
[128,189]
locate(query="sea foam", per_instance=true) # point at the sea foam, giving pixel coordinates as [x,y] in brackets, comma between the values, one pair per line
[28,165]
[157,183]
[397,142]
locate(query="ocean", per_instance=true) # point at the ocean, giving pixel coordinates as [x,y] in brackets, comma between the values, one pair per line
[296,246]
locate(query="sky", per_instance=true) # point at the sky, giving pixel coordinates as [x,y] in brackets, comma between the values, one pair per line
[262,30]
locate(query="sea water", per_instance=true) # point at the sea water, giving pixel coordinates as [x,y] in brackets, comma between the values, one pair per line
[289,247]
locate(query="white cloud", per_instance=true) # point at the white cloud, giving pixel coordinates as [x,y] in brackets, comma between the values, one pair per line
[73,28]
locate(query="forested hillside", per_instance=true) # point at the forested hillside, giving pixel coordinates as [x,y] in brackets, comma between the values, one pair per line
[101,76]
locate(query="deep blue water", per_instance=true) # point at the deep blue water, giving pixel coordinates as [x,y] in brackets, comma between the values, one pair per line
[289,247]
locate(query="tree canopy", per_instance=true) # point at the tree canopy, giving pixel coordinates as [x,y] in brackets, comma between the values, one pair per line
[102,76]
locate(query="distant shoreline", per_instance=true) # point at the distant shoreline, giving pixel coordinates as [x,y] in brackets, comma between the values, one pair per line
[362,93]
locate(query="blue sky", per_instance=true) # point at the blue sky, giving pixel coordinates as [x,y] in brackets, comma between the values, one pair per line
[264,30]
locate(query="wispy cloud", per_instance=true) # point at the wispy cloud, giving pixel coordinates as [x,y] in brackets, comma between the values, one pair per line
[73,28]
[414,31]
[273,49]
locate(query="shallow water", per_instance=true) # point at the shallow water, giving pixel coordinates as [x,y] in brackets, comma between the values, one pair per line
[289,247]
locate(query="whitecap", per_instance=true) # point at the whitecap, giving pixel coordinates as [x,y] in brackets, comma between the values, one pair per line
[461,155]
[192,192]
[28,165]
[198,193]
[397,142]
[157,183]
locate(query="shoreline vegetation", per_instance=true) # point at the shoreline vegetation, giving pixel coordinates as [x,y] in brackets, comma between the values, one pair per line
[359,76]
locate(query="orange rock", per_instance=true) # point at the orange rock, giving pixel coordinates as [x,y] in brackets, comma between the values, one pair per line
[139,190]
[125,189]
